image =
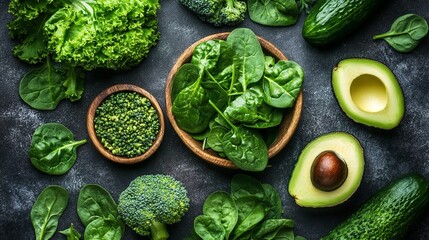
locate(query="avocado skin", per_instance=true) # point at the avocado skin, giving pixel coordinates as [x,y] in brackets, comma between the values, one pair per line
[388,214]
[330,20]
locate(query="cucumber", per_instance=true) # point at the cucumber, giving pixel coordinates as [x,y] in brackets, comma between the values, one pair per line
[330,20]
[388,214]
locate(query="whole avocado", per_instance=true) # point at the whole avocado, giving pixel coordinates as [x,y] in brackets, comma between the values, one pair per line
[330,20]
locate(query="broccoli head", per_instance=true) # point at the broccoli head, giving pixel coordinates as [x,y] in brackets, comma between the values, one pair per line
[218,12]
[152,201]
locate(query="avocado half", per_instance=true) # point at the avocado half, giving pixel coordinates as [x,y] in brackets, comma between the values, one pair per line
[348,149]
[368,92]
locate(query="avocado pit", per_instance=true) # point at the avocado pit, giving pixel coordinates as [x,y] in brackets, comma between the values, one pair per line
[328,171]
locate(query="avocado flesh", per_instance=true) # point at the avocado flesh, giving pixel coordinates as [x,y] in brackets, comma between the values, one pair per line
[368,92]
[348,148]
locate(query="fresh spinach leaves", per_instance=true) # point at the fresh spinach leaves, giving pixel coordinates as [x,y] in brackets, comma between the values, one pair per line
[249,58]
[273,13]
[47,210]
[248,90]
[282,83]
[53,148]
[44,88]
[253,210]
[405,33]
[98,212]
[71,233]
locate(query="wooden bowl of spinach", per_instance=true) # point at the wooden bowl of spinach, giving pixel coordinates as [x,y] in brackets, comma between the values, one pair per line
[125,123]
[234,99]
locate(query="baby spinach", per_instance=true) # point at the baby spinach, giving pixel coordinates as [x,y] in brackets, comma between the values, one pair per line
[53,148]
[186,75]
[275,229]
[253,210]
[251,110]
[98,212]
[71,233]
[208,228]
[273,13]
[249,58]
[282,83]
[244,147]
[405,33]
[191,108]
[43,88]
[214,138]
[47,210]
[221,207]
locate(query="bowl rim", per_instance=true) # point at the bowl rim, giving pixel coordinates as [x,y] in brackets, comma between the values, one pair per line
[91,130]
[195,146]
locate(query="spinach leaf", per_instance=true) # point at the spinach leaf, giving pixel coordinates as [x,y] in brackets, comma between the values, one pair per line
[305,5]
[186,75]
[191,109]
[275,229]
[221,207]
[250,110]
[104,229]
[47,210]
[214,138]
[95,202]
[53,148]
[245,148]
[273,13]
[249,58]
[43,88]
[250,214]
[71,233]
[208,228]
[98,212]
[282,83]
[206,54]
[272,202]
[405,33]
[243,186]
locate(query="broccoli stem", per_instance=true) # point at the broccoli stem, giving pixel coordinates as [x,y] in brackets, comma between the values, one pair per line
[158,231]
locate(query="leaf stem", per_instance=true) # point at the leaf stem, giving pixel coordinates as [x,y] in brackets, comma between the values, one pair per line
[222,115]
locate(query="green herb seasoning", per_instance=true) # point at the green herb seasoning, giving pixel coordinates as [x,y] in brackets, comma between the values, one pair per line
[126,124]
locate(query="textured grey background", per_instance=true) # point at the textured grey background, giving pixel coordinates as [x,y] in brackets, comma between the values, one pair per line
[388,154]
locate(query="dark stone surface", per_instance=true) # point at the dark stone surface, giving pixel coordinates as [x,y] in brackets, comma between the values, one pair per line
[389,154]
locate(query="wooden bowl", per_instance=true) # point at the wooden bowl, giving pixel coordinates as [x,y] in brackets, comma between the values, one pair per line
[286,128]
[91,131]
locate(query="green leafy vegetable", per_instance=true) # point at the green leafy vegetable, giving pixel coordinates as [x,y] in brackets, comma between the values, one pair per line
[252,211]
[244,147]
[71,233]
[405,33]
[273,13]
[112,34]
[47,210]
[221,207]
[98,212]
[53,148]
[306,5]
[282,83]
[249,58]
[209,228]
[88,34]
[248,90]
[43,88]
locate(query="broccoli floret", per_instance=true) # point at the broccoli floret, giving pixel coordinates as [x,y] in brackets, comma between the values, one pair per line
[218,12]
[152,201]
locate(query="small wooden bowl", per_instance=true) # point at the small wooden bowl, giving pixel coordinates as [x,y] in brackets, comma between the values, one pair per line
[91,131]
[286,128]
